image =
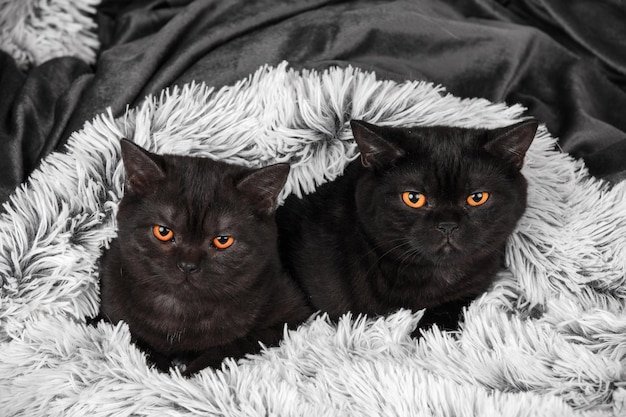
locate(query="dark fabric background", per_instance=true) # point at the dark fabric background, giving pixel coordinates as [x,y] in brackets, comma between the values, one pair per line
[563,59]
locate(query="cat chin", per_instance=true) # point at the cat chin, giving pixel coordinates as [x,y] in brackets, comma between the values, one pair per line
[170,303]
[182,294]
[447,254]
[443,260]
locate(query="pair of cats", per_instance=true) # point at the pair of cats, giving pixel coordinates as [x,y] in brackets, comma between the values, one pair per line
[206,266]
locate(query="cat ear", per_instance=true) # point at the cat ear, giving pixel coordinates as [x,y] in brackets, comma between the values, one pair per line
[376,152]
[512,142]
[142,167]
[263,185]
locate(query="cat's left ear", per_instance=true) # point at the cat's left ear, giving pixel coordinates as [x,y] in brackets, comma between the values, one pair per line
[511,142]
[376,152]
[142,167]
[263,185]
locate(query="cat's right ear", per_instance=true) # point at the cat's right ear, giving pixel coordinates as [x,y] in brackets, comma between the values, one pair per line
[511,142]
[376,152]
[142,167]
[262,186]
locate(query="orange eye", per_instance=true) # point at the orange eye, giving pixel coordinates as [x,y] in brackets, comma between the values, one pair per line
[478,199]
[162,233]
[413,199]
[223,242]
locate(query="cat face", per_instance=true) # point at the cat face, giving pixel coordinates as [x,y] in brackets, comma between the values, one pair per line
[441,195]
[194,228]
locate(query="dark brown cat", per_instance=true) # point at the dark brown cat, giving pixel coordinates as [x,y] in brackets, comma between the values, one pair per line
[420,221]
[195,270]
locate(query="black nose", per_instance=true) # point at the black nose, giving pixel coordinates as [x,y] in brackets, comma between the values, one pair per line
[187,267]
[447,228]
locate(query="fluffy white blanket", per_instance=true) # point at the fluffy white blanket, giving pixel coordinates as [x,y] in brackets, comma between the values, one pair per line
[549,339]
[34,31]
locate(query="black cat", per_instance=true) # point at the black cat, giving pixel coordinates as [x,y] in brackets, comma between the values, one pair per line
[195,270]
[419,222]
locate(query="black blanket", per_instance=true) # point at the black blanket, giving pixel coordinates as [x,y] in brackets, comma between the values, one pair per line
[564,60]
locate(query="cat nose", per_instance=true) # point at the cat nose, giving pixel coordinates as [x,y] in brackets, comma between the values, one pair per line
[447,228]
[188,267]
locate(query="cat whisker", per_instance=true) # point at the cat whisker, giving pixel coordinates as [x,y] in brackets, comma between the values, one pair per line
[411,256]
[408,259]
[375,248]
[404,242]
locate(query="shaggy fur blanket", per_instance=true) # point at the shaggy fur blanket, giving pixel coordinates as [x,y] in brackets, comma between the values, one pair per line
[548,339]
